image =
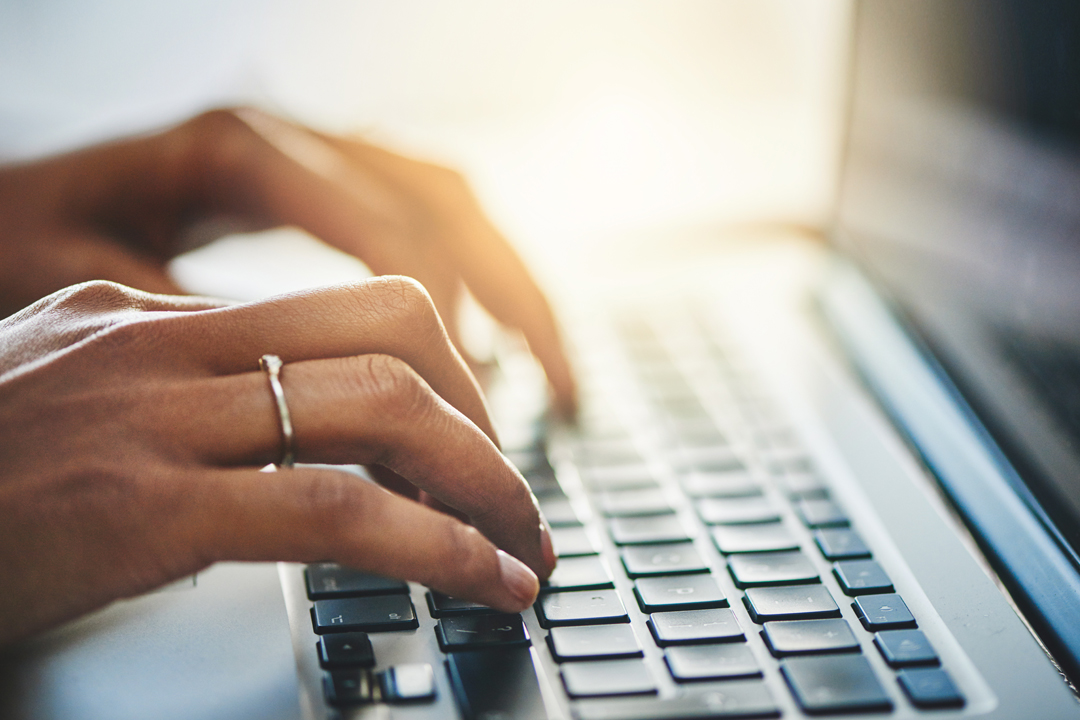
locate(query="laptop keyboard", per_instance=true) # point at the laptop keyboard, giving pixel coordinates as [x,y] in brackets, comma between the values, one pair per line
[706,569]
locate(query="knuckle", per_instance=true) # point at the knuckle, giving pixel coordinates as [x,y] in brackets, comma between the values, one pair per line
[410,307]
[393,388]
[221,143]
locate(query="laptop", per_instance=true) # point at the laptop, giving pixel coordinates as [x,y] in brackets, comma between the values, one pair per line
[809,479]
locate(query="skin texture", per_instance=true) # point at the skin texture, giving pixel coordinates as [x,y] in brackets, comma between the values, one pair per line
[134,422]
[121,211]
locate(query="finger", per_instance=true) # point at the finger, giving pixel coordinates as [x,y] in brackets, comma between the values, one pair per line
[387,315]
[491,268]
[309,514]
[372,409]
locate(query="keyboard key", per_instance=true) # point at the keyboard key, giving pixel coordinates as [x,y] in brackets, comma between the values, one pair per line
[671,559]
[619,477]
[607,453]
[348,649]
[579,573]
[647,530]
[737,511]
[474,632]
[766,537]
[905,647]
[862,577]
[820,512]
[495,684]
[788,460]
[736,699]
[593,642]
[686,627]
[583,607]
[443,605]
[720,484]
[634,503]
[408,683]
[711,662]
[841,544]
[780,568]
[607,677]
[803,485]
[930,688]
[883,612]
[802,637]
[707,459]
[560,512]
[572,542]
[369,614]
[679,592]
[330,580]
[793,602]
[835,684]
[354,686]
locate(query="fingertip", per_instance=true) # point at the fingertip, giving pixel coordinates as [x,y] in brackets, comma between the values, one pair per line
[518,579]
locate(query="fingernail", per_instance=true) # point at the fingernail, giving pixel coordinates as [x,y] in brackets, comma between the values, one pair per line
[518,578]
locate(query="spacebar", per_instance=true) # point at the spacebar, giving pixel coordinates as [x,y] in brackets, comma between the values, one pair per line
[490,684]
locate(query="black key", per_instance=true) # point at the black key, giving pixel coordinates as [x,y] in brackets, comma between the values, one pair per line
[330,580]
[369,614]
[905,647]
[572,542]
[634,503]
[930,688]
[862,577]
[737,511]
[736,699]
[583,607]
[443,605]
[687,627]
[607,677]
[475,632]
[720,484]
[710,459]
[803,637]
[780,568]
[355,686]
[835,684]
[408,683]
[496,684]
[803,485]
[579,573]
[819,513]
[672,559]
[647,530]
[711,662]
[560,512]
[883,612]
[593,642]
[788,460]
[679,592]
[792,602]
[841,544]
[607,453]
[349,649]
[619,477]
[766,537]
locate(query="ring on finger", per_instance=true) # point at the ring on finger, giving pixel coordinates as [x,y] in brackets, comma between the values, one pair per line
[272,365]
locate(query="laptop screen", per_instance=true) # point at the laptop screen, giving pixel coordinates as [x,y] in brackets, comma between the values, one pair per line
[960,195]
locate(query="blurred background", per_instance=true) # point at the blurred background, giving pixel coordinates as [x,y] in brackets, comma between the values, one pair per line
[582,125]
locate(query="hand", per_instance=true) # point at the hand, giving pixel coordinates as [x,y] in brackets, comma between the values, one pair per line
[119,212]
[134,425]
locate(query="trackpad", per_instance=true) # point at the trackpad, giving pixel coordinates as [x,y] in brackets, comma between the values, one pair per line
[218,647]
